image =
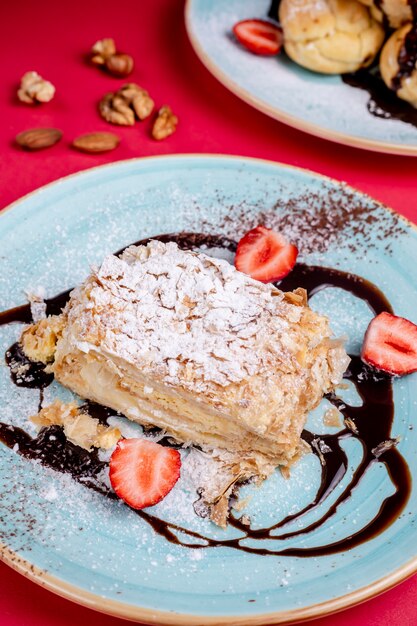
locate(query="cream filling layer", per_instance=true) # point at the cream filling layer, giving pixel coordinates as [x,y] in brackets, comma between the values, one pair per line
[178,413]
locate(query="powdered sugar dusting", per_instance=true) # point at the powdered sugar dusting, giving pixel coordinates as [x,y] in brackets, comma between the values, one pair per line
[191,318]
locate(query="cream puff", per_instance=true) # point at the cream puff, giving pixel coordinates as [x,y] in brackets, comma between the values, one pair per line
[330,36]
[398,63]
[393,13]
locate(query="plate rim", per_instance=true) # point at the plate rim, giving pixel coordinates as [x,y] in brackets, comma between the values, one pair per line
[168,618]
[277,114]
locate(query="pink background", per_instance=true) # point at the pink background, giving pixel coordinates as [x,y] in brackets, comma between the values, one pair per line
[54,38]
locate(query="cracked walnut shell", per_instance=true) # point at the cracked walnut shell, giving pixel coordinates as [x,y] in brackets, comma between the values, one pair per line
[165,124]
[34,88]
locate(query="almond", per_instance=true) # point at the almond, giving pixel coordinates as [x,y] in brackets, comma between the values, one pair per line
[96,142]
[38,138]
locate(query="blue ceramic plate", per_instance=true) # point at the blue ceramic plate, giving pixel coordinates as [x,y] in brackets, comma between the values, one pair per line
[98,552]
[315,103]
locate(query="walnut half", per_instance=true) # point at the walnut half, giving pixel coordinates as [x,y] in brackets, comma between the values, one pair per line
[34,88]
[105,54]
[115,110]
[102,50]
[137,98]
[165,124]
[123,106]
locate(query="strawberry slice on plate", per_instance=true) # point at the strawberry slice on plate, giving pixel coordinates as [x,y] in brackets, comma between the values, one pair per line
[259,36]
[265,255]
[390,344]
[143,472]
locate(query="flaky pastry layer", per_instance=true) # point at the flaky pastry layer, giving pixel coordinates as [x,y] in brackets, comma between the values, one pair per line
[185,342]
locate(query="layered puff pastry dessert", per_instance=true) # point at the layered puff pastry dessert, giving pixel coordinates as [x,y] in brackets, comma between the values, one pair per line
[185,342]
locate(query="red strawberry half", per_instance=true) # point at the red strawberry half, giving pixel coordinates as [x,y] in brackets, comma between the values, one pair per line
[265,255]
[143,472]
[390,344]
[259,36]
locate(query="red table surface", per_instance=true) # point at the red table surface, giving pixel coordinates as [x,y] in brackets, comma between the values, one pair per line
[54,39]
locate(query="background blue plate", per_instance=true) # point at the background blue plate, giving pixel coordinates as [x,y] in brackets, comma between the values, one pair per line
[319,104]
[100,553]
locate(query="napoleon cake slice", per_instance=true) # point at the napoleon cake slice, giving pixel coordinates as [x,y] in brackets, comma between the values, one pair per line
[183,341]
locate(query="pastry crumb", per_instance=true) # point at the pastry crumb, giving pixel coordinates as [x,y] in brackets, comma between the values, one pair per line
[332,417]
[219,512]
[79,427]
[39,340]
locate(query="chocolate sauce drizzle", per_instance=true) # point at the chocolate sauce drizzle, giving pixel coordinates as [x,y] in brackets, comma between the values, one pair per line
[383,102]
[370,424]
[273,10]
[24,372]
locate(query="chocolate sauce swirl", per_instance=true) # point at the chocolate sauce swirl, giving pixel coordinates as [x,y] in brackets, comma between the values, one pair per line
[24,372]
[370,424]
[383,102]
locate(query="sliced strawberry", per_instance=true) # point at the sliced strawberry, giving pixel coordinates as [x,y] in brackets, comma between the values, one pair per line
[143,472]
[259,36]
[390,344]
[265,255]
